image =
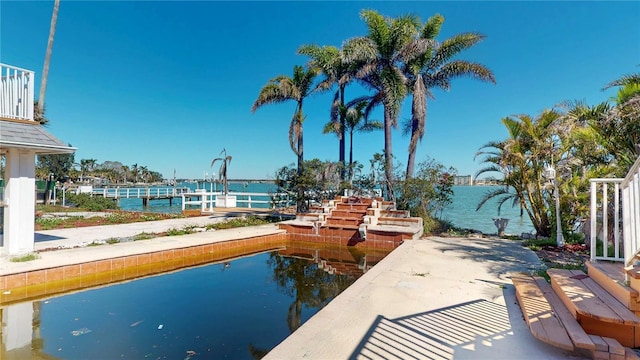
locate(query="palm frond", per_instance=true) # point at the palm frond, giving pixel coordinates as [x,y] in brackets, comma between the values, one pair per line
[627,79]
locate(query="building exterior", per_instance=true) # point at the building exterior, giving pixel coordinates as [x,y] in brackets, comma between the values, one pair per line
[463,180]
[21,139]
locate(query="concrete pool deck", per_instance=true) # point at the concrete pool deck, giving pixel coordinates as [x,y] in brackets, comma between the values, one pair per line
[433,298]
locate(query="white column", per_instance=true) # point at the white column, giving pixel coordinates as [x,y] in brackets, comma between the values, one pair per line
[20,201]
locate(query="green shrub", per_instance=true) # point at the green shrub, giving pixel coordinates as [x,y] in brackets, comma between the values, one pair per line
[537,244]
[184,231]
[27,257]
[610,249]
[91,203]
[112,241]
[117,218]
[238,222]
[143,236]
[49,223]
[574,238]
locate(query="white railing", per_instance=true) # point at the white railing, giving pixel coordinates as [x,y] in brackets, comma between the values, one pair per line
[615,217]
[207,200]
[631,212]
[16,93]
[605,220]
[139,193]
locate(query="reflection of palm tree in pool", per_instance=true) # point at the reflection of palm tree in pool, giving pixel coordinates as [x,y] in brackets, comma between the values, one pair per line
[257,353]
[306,283]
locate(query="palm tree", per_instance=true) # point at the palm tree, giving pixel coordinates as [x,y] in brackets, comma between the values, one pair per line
[284,88]
[622,124]
[329,60]
[377,58]
[222,173]
[39,113]
[434,68]
[522,159]
[135,172]
[47,58]
[354,121]
[144,173]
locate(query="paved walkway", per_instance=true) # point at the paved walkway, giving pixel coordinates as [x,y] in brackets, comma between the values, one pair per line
[434,298]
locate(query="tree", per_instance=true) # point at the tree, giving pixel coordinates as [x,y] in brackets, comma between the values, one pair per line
[38,113]
[222,173]
[87,166]
[284,88]
[428,193]
[434,68]
[47,58]
[329,60]
[522,159]
[56,167]
[319,180]
[354,121]
[377,59]
[622,123]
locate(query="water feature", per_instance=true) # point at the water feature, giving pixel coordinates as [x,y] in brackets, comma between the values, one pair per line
[239,309]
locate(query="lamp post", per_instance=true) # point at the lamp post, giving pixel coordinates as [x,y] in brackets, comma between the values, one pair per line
[550,174]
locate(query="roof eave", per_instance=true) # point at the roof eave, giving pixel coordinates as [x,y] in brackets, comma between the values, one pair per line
[39,148]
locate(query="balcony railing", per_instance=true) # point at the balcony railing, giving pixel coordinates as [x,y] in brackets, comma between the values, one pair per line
[615,217]
[16,93]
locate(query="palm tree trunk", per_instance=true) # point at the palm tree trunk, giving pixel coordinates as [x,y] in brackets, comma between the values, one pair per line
[47,57]
[418,120]
[342,139]
[300,140]
[350,149]
[388,155]
[411,163]
[301,207]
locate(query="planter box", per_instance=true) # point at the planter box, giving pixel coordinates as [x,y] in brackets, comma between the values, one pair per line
[226,201]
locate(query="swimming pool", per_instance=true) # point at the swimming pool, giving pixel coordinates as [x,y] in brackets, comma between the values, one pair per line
[239,308]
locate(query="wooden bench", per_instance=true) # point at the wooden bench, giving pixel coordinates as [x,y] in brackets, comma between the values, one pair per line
[597,311]
[551,322]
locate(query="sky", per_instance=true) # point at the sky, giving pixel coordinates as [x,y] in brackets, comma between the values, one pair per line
[168,85]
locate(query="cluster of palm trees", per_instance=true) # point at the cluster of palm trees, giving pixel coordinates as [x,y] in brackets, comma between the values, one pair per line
[579,141]
[398,57]
[114,172]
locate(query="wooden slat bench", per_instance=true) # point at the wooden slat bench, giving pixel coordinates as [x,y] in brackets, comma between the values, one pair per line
[551,322]
[597,311]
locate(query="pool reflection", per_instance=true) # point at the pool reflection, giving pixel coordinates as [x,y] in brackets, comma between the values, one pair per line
[239,308]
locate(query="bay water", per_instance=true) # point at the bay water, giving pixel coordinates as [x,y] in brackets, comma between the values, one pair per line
[461,212]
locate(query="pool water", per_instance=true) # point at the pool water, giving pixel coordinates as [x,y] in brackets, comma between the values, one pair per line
[237,309]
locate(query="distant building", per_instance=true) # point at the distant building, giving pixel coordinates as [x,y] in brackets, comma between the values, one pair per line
[487,182]
[463,180]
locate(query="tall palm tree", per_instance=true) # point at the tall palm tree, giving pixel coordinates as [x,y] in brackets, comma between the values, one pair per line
[329,60]
[354,122]
[284,88]
[378,58]
[435,68]
[47,57]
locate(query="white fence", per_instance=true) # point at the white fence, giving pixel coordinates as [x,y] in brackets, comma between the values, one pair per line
[16,92]
[207,200]
[615,217]
[140,193]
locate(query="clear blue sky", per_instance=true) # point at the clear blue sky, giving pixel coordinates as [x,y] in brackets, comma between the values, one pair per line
[169,84]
